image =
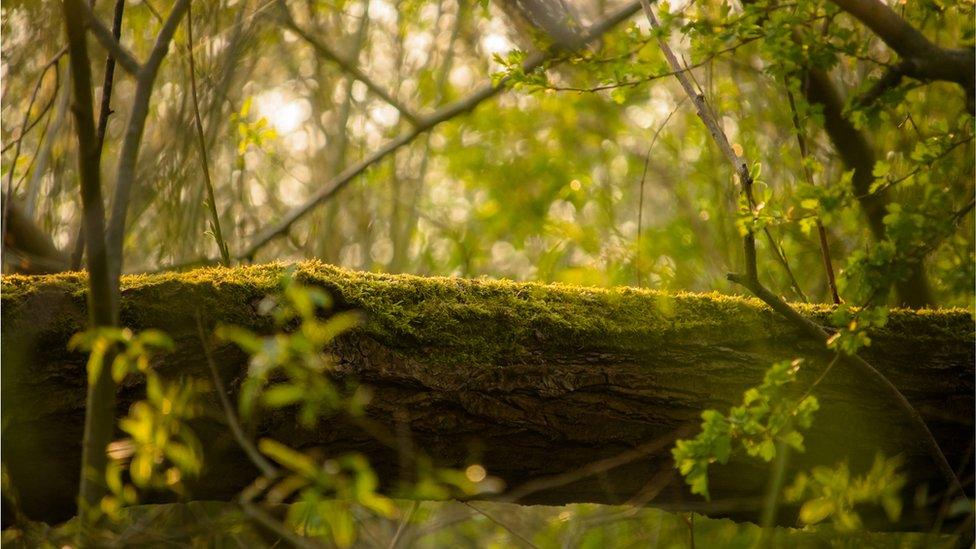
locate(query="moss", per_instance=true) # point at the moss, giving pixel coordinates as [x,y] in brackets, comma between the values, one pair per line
[473,320]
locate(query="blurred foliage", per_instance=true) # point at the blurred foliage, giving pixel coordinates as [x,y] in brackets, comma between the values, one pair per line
[292,369]
[544,183]
[160,449]
[483,524]
[833,493]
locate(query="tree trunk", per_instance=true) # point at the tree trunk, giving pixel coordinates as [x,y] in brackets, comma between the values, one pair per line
[531,380]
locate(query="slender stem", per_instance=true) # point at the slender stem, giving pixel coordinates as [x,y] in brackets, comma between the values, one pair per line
[518,536]
[640,200]
[265,466]
[403,524]
[821,231]
[269,522]
[780,256]
[204,159]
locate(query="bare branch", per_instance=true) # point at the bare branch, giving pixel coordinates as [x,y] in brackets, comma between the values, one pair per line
[125,174]
[348,66]
[430,121]
[109,41]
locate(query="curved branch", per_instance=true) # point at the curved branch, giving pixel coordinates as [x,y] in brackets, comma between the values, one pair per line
[922,59]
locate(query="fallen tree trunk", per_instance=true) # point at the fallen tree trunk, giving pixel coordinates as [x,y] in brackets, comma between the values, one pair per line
[568,394]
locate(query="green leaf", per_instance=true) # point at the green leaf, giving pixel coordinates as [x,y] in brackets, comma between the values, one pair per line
[291,459]
[279,396]
[816,510]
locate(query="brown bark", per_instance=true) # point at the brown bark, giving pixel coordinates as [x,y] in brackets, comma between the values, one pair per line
[530,380]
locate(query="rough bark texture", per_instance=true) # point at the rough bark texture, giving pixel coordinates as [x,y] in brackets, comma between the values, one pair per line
[532,380]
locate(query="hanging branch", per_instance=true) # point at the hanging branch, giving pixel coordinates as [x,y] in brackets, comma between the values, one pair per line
[750,280]
[204,159]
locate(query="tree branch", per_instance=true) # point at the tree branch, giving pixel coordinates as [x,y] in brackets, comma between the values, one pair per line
[347,66]
[922,59]
[104,111]
[125,174]
[100,402]
[110,41]
[428,122]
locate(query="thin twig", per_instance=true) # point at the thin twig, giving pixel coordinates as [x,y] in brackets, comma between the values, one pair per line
[780,256]
[110,42]
[640,199]
[821,231]
[276,526]
[204,159]
[24,127]
[24,130]
[652,77]
[265,466]
[597,467]
[518,536]
[403,524]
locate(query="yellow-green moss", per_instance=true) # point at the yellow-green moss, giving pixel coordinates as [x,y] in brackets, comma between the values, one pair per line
[474,319]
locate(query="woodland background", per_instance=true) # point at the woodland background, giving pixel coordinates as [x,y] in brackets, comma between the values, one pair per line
[532,140]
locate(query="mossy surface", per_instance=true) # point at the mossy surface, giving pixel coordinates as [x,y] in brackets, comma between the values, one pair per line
[475,319]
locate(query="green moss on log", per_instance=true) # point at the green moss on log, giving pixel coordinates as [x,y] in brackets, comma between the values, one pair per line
[476,319]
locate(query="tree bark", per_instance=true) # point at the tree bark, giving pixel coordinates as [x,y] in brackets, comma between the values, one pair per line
[531,380]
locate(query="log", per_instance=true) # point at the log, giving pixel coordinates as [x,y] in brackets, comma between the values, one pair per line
[568,394]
